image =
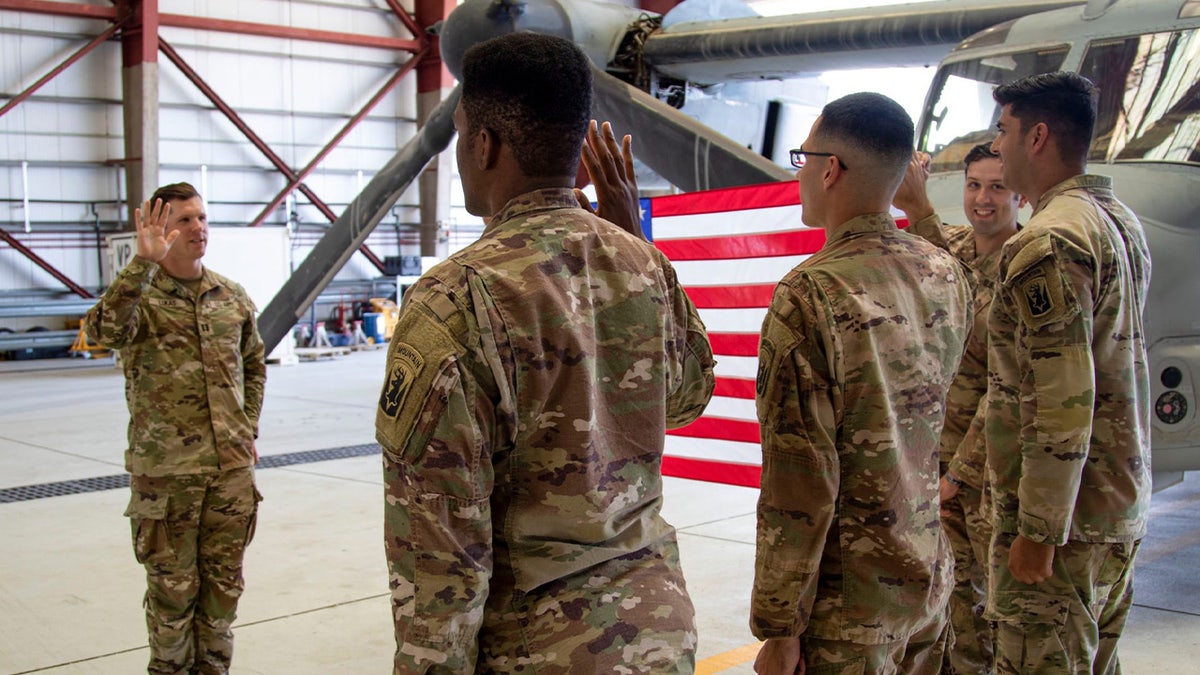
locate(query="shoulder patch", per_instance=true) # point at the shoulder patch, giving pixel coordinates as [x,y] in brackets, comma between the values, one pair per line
[404,366]
[766,356]
[1039,295]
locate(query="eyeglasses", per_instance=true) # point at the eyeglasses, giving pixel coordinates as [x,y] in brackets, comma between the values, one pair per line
[799,156]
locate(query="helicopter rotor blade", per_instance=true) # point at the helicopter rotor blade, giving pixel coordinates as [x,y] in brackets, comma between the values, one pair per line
[359,219]
[688,154]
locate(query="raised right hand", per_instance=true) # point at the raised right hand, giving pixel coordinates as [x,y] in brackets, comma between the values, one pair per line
[151,223]
[910,196]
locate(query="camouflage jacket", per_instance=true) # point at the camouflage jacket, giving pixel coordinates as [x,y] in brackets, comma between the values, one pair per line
[1068,422]
[963,451]
[858,350]
[194,369]
[530,381]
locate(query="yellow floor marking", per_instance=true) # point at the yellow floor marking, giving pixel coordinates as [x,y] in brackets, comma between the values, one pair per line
[729,659]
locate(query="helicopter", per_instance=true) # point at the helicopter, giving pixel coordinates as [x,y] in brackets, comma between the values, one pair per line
[1143,54]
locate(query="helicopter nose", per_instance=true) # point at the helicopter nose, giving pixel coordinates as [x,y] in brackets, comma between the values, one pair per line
[475,21]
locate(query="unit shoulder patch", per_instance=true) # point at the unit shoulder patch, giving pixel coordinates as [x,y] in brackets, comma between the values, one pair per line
[1039,295]
[404,367]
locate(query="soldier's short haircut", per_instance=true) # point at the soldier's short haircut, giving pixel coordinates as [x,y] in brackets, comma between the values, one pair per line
[981,151]
[1065,102]
[174,192]
[874,124]
[533,91]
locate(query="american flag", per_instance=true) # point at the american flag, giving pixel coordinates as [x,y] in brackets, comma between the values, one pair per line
[730,248]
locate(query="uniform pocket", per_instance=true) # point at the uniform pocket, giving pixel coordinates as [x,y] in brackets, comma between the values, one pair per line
[147,515]
[253,524]
[856,666]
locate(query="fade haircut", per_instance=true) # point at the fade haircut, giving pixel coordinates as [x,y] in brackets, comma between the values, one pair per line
[534,92]
[174,192]
[1066,102]
[981,151]
[874,124]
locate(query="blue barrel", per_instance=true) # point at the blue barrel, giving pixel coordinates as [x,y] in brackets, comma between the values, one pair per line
[372,326]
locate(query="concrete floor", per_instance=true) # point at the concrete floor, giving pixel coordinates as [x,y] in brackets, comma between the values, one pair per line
[316,586]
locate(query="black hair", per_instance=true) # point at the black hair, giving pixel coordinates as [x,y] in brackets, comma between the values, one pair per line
[873,123]
[533,91]
[1065,102]
[981,151]
[174,192]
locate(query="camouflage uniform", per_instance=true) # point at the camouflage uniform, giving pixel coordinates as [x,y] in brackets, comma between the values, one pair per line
[858,350]
[530,382]
[1068,428]
[194,378]
[963,454]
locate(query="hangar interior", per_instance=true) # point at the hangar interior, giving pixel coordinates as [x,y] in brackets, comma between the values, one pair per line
[280,112]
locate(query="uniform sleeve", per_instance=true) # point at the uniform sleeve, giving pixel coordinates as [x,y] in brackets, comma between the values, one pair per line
[437,481]
[688,400]
[970,457]
[798,408]
[930,228]
[254,366]
[118,320]
[1049,289]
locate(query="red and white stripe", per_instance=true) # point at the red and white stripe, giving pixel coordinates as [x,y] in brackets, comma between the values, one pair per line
[729,247]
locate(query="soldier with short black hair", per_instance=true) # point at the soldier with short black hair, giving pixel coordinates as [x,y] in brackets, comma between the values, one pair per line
[530,381]
[1068,416]
[858,350]
[194,379]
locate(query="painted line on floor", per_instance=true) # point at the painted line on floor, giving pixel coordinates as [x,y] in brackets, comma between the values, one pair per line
[729,659]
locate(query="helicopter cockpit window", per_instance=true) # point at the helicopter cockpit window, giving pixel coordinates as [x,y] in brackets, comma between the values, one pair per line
[963,113]
[1149,105]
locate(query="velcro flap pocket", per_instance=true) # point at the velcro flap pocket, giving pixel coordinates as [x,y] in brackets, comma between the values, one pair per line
[147,507]
[148,521]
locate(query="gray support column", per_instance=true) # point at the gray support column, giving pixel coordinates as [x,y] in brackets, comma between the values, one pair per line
[434,185]
[139,89]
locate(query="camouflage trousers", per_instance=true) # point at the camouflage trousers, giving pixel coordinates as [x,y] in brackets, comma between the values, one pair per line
[969,534]
[1069,623]
[190,533]
[627,615]
[923,653]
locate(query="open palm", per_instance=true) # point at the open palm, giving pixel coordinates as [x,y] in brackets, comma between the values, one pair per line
[153,242]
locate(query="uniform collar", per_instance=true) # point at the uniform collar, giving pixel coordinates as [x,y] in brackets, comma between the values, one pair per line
[864,224]
[169,284]
[1087,181]
[545,199]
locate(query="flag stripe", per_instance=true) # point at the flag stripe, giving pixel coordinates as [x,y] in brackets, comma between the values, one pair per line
[730,297]
[727,199]
[772,245]
[734,387]
[734,344]
[728,473]
[722,428]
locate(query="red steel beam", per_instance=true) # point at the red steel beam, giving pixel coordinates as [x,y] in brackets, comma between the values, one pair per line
[407,20]
[258,142]
[431,72]
[60,9]
[289,32]
[337,139]
[226,26]
[83,51]
[28,253]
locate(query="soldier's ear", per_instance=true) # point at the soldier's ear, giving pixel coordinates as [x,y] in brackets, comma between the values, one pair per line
[487,148]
